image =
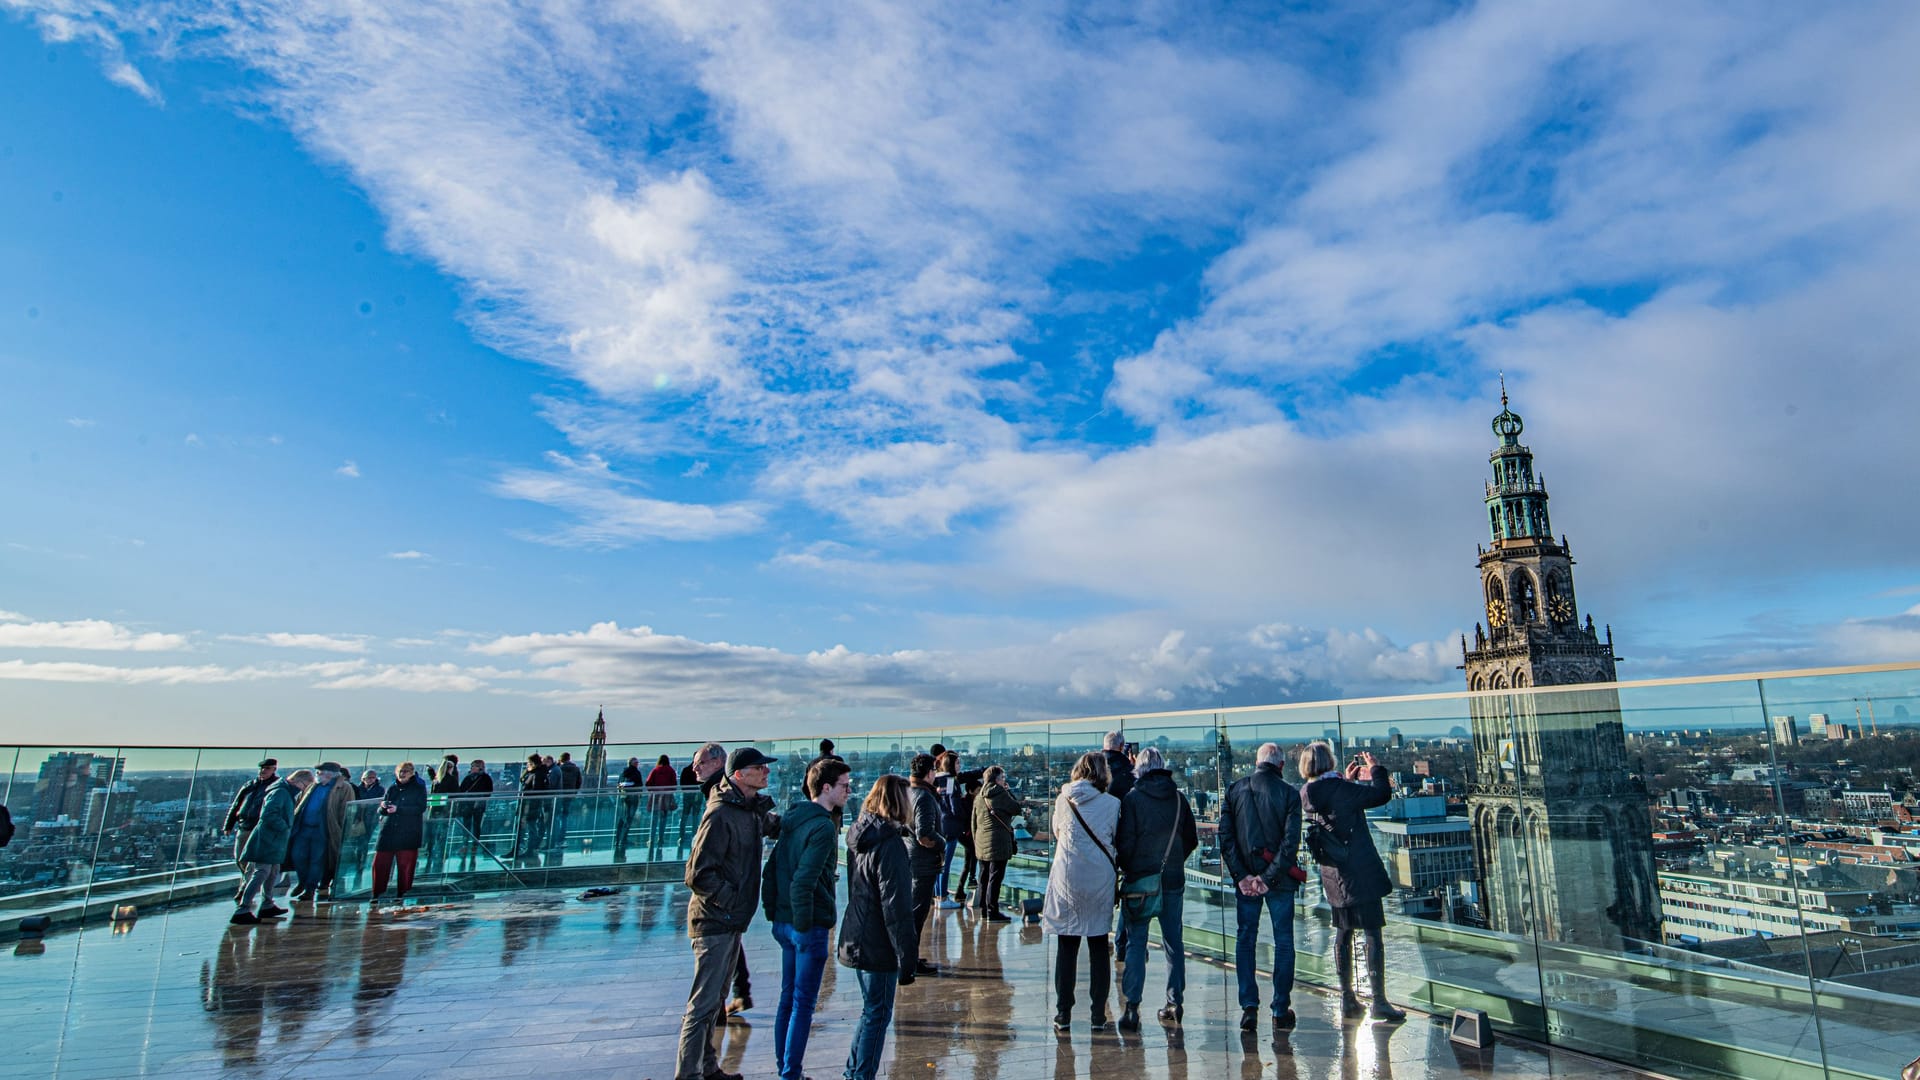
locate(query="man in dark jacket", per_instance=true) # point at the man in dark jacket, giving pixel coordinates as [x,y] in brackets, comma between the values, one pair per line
[1260,848]
[1155,836]
[470,811]
[798,893]
[567,779]
[926,848]
[244,814]
[723,873]
[1119,765]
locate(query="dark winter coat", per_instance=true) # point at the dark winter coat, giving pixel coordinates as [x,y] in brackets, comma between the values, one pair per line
[689,802]
[1153,813]
[246,803]
[925,858]
[993,840]
[272,833]
[363,792]
[797,887]
[878,933]
[568,776]
[448,782]
[1119,773]
[723,869]
[1360,878]
[400,830]
[1260,829]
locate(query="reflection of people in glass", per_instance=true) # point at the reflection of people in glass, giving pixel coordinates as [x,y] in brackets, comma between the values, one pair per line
[1353,878]
[232,995]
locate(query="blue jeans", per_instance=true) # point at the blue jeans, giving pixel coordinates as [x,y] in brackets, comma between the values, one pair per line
[1279,907]
[803,960]
[1133,981]
[870,1036]
[940,889]
[309,854]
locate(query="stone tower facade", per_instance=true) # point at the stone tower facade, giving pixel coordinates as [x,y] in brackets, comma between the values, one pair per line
[1562,837]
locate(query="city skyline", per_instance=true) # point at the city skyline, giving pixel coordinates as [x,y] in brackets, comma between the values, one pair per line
[940,375]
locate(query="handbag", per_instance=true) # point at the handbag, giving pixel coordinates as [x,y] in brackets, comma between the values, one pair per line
[1141,900]
[1323,843]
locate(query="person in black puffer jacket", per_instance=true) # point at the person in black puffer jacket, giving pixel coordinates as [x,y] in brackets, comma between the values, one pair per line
[1357,883]
[1156,835]
[876,937]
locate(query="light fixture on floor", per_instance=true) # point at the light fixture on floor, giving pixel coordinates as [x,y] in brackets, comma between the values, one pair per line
[1470,1028]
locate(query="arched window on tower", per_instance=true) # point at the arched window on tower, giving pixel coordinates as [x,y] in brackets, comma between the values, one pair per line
[1526,602]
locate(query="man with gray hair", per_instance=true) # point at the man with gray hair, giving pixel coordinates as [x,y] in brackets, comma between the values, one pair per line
[1260,848]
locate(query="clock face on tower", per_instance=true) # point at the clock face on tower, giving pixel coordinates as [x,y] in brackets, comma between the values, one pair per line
[1496,612]
[1560,608]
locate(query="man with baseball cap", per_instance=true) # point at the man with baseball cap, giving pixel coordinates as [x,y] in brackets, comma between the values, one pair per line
[244,814]
[723,872]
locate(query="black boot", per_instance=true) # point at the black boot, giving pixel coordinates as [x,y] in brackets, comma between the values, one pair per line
[1377,975]
[1130,1017]
[1343,964]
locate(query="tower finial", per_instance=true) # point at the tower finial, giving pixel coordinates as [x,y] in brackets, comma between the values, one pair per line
[1503,389]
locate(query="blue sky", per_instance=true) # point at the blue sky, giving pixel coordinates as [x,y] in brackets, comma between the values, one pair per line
[467,367]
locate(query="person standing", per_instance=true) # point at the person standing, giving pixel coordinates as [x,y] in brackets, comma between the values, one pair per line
[827,754]
[1156,835]
[659,782]
[319,827]
[1120,773]
[924,844]
[632,780]
[470,813]
[689,799]
[709,765]
[994,809]
[446,785]
[949,784]
[245,810]
[1079,900]
[798,894]
[1260,849]
[1357,882]
[401,827]
[877,941]
[265,848]
[723,873]
[567,780]
[534,808]
[360,821]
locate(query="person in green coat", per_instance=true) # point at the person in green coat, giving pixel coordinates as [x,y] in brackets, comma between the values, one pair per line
[993,812]
[265,848]
[797,889]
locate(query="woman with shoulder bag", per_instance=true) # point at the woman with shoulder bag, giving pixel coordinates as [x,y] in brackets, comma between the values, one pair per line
[1156,835]
[1080,885]
[1351,874]
[994,809]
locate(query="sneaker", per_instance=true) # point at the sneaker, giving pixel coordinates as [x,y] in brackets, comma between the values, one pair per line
[949,905]
[244,917]
[922,967]
[1172,1013]
[1100,1022]
[1284,1021]
[999,916]
[272,911]
[1250,1018]
[1061,1022]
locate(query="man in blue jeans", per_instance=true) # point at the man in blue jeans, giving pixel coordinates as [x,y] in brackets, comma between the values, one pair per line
[1260,848]
[798,894]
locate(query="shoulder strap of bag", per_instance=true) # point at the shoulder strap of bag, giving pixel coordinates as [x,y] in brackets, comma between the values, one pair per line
[1071,805]
[1167,855]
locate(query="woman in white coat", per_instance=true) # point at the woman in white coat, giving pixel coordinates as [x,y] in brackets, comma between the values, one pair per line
[1079,903]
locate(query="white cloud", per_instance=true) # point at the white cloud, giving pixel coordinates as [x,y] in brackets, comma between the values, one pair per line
[607,514]
[695,470]
[349,469]
[311,642]
[193,439]
[413,678]
[90,634]
[166,675]
[79,422]
[419,556]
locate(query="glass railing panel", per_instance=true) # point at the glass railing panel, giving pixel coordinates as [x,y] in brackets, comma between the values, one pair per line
[1846,754]
[60,797]
[1451,830]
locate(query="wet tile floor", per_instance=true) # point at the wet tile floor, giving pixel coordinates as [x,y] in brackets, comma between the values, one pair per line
[548,984]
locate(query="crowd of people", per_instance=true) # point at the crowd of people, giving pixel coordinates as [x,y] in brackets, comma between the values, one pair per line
[1123,833]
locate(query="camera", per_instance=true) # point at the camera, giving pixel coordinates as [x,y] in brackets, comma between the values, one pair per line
[1131,749]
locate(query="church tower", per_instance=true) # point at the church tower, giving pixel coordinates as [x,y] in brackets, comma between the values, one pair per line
[596,764]
[1562,837]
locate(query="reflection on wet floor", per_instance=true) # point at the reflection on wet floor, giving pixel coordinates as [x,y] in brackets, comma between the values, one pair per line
[545,983]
